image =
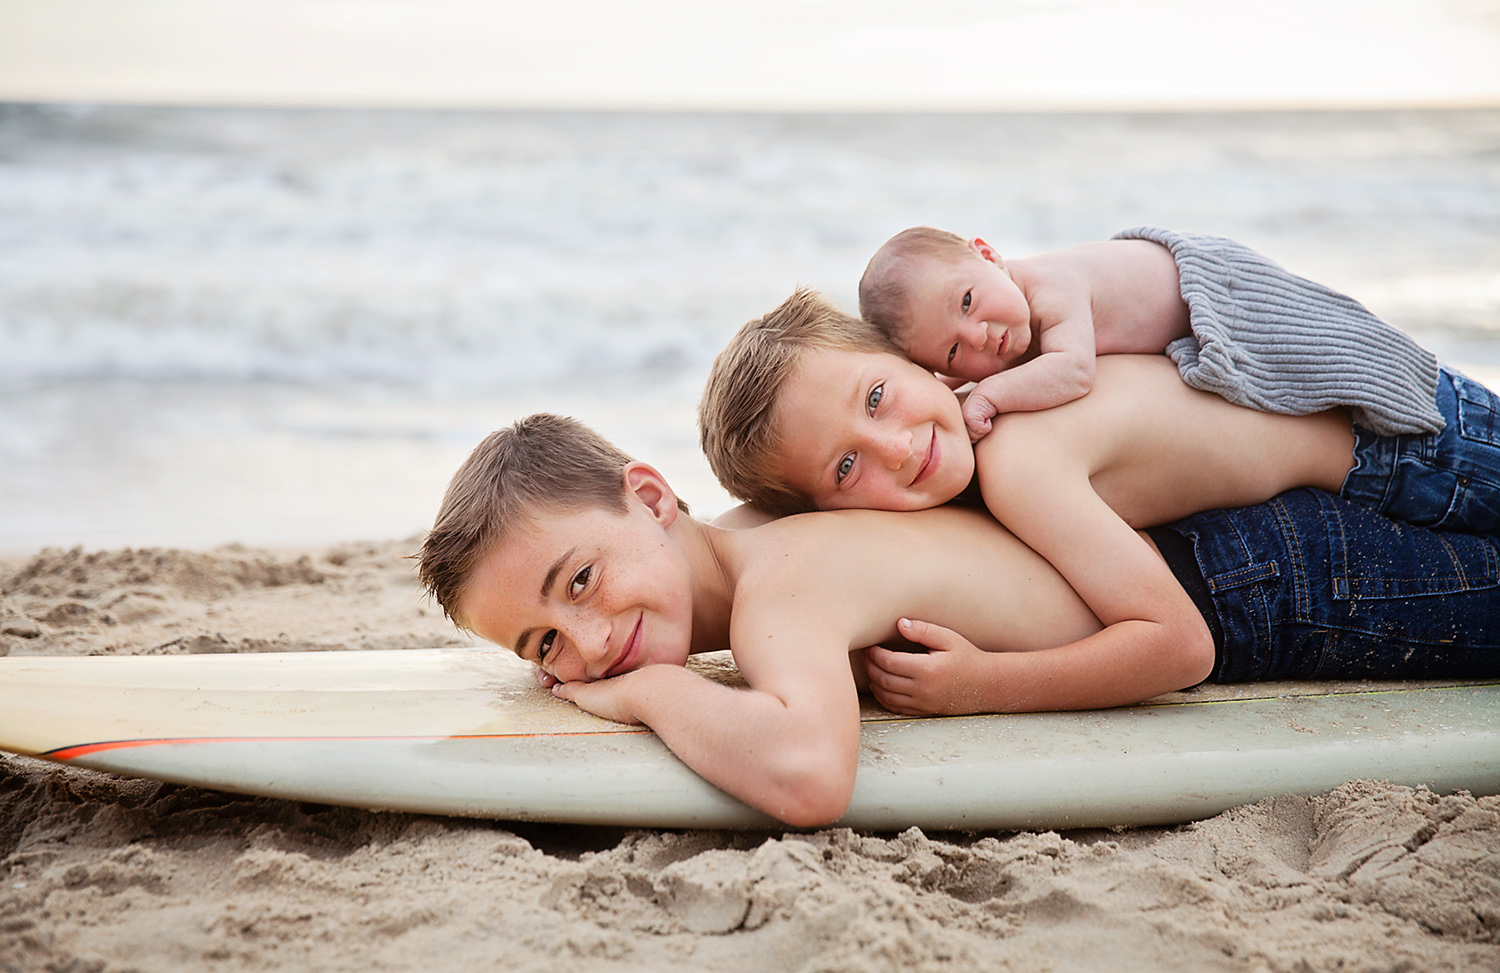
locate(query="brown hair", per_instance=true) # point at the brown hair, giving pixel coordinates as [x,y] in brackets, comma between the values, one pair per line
[542,462]
[885,288]
[737,416]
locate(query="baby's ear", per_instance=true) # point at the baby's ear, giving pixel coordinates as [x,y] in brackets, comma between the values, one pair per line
[645,485]
[986,252]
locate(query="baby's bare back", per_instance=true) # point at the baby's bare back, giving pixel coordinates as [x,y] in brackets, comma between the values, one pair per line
[1131,285]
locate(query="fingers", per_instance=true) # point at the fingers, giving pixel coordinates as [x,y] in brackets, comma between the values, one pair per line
[929,635]
[978,411]
[896,663]
[544,678]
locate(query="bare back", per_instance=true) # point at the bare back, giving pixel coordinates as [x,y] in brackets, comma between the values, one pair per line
[1131,287]
[1156,450]
[839,580]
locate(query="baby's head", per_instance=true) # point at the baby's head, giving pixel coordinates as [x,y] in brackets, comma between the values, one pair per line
[947,303]
[541,533]
[810,408]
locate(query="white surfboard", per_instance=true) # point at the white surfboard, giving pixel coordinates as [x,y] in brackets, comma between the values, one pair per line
[467,732]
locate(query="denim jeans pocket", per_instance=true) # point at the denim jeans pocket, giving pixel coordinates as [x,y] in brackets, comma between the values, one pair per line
[1371,556]
[1478,412]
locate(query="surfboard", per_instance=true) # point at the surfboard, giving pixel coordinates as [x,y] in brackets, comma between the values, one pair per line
[468,732]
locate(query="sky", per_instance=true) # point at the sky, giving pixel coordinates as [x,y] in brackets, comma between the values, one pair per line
[769,55]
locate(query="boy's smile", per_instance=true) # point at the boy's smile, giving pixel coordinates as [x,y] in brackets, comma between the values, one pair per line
[967,317]
[585,595]
[871,430]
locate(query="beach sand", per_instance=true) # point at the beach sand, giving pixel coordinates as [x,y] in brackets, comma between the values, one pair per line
[99,873]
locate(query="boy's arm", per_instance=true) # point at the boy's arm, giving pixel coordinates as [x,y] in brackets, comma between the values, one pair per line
[1155,640]
[789,745]
[1062,371]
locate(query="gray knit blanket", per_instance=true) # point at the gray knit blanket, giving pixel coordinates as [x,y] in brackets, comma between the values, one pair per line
[1276,342]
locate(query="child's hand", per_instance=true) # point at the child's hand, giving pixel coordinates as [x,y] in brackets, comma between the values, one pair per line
[979,408]
[942,680]
[606,697]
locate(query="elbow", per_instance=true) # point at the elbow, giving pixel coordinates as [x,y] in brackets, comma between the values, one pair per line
[814,792]
[1196,656]
[815,805]
[1080,378]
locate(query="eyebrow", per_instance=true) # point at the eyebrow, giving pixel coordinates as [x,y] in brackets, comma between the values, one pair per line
[548,580]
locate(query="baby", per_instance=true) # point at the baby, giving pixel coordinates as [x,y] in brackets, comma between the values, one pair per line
[1236,324]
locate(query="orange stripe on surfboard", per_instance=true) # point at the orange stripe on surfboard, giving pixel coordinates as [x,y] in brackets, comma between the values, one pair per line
[85,749]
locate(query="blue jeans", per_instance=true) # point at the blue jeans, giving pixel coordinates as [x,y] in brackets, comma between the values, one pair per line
[1448,480]
[1310,586]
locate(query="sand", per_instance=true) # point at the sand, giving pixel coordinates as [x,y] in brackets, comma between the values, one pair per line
[100,873]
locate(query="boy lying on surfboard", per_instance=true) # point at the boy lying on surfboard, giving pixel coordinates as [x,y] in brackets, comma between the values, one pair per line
[552,542]
[809,408]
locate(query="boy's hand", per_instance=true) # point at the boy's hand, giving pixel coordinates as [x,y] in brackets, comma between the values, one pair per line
[606,697]
[944,680]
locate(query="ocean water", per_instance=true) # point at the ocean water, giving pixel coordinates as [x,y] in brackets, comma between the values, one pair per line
[289,327]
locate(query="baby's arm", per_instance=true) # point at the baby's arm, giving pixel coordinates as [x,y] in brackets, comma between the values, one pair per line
[1105,298]
[1062,371]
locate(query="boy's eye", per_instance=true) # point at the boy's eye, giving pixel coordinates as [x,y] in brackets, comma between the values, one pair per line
[968,299]
[580,581]
[845,465]
[952,354]
[872,401]
[545,645]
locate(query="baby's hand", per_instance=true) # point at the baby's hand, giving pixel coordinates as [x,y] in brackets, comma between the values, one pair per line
[606,697]
[941,680]
[978,410]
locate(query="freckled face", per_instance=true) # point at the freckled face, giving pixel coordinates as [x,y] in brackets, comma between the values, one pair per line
[967,317]
[585,595]
[872,430]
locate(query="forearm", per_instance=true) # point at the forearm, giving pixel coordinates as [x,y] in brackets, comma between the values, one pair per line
[793,760]
[1048,380]
[1124,663]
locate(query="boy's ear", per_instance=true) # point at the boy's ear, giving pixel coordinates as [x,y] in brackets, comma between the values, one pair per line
[644,484]
[987,252]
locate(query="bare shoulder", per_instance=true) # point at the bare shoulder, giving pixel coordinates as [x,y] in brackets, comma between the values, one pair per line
[861,540]
[1129,393]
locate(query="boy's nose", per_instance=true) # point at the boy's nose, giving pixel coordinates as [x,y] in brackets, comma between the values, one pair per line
[894,449]
[592,643]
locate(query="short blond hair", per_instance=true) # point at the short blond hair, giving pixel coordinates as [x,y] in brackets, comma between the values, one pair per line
[885,288]
[543,462]
[737,417]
